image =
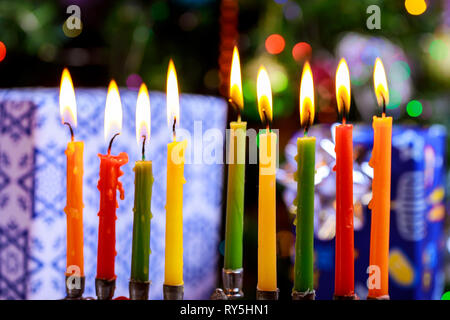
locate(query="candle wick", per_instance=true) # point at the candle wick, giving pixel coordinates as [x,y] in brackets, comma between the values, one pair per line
[174,133]
[344,111]
[307,123]
[384,107]
[266,120]
[235,107]
[111,141]
[143,147]
[71,130]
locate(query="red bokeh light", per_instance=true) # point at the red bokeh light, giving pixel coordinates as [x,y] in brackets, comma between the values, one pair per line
[301,51]
[275,44]
[2,51]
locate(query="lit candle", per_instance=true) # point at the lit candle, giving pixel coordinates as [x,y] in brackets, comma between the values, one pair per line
[304,241]
[143,183]
[173,271]
[108,184]
[344,283]
[236,174]
[267,258]
[74,189]
[381,190]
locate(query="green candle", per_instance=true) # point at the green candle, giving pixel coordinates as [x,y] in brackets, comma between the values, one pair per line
[235,196]
[304,241]
[141,222]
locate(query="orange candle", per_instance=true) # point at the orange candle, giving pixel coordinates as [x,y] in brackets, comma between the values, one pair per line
[381,191]
[74,189]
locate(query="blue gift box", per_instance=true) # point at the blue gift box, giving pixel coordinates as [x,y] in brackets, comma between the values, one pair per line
[417,209]
[32,191]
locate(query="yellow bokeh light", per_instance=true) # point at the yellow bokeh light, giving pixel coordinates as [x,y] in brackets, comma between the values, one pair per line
[415,7]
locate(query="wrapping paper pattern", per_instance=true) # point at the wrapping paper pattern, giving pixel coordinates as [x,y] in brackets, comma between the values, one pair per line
[417,208]
[32,191]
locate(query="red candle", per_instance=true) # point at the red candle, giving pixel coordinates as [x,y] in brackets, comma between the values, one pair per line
[344,260]
[108,185]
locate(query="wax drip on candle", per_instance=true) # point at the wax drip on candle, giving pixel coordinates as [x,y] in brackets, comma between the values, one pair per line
[110,142]
[71,130]
[143,147]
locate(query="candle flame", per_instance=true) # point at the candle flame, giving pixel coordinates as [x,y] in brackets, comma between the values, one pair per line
[306,97]
[173,100]
[113,111]
[380,83]
[343,87]
[143,115]
[236,81]
[264,92]
[67,101]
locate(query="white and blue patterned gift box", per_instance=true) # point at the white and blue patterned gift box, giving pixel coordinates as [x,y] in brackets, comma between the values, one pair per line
[32,191]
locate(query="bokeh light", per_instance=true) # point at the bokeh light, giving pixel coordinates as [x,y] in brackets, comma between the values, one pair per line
[399,71]
[141,34]
[134,81]
[438,49]
[211,79]
[395,99]
[414,108]
[222,247]
[275,44]
[249,89]
[415,7]
[292,11]
[188,21]
[301,51]
[2,51]
[47,52]
[160,10]
[70,31]
[279,81]
[28,21]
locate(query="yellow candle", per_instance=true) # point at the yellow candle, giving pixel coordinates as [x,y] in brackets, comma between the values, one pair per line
[173,274]
[267,251]
[267,257]
[173,269]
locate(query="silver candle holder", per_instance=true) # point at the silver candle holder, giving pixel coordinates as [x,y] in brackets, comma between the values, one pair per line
[173,292]
[139,290]
[306,295]
[232,283]
[74,287]
[104,289]
[267,295]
